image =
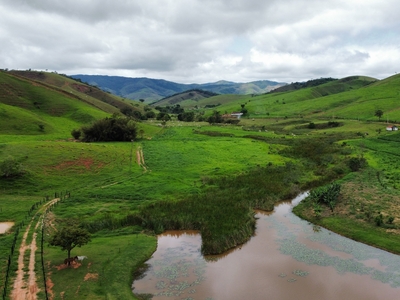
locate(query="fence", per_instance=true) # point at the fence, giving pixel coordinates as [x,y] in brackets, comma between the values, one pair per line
[16,235]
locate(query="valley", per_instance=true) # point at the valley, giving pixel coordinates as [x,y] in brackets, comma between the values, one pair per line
[206,175]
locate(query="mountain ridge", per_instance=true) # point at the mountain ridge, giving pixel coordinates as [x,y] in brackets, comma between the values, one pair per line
[155,89]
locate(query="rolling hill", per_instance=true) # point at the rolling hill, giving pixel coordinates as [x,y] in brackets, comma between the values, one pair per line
[37,103]
[354,97]
[155,89]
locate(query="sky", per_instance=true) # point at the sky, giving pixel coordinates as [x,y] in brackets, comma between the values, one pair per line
[200,41]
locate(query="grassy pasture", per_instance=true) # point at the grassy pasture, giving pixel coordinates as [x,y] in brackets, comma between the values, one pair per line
[347,99]
[59,165]
[367,196]
[198,176]
[108,271]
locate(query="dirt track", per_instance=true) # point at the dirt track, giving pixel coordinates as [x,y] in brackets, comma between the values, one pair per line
[25,286]
[140,158]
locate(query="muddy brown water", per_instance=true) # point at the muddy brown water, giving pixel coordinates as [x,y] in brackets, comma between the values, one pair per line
[288,258]
[5,226]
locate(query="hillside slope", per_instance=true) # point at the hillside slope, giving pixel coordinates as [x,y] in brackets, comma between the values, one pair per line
[354,97]
[155,89]
[82,91]
[29,107]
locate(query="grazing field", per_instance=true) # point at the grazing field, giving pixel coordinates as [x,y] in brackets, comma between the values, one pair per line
[107,271]
[195,175]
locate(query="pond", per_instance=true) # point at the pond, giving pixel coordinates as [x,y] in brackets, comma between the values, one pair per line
[4,226]
[287,258]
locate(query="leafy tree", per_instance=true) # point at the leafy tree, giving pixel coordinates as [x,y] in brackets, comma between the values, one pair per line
[10,167]
[69,237]
[127,111]
[163,116]
[379,114]
[186,116]
[215,118]
[150,114]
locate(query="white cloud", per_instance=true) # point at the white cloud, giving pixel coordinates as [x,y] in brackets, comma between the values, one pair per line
[203,41]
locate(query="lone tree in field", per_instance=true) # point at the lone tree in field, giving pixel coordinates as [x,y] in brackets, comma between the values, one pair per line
[69,237]
[379,114]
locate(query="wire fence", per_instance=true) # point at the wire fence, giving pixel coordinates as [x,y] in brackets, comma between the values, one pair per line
[18,228]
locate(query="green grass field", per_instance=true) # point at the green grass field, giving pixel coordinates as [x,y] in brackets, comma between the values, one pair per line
[193,173]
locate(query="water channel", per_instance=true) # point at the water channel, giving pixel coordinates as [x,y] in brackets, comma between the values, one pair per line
[288,258]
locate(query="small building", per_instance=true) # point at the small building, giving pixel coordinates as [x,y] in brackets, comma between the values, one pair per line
[392,128]
[236,114]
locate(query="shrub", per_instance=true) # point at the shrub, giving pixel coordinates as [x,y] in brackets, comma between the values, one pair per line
[110,129]
[327,194]
[379,220]
[76,133]
[357,163]
[11,168]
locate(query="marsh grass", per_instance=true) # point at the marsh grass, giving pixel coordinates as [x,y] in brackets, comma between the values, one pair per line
[225,214]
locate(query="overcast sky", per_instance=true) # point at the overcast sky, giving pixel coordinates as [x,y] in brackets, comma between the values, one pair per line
[198,41]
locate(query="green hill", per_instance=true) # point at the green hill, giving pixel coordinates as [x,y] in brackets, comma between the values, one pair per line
[353,97]
[152,90]
[32,107]
[73,87]
[192,95]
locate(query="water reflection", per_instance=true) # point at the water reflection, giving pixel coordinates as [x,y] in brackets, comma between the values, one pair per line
[287,258]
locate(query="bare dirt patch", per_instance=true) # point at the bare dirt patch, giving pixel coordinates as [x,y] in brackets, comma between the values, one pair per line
[49,286]
[140,158]
[87,163]
[74,265]
[91,276]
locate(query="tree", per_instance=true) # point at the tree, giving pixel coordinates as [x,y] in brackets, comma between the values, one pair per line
[215,118]
[379,114]
[163,116]
[69,237]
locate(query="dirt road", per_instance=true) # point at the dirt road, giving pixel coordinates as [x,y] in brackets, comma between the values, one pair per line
[140,158]
[25,286]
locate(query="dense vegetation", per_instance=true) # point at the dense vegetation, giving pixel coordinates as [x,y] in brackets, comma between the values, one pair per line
[110,129]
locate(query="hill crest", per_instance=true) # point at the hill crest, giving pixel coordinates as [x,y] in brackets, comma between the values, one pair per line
[152,90]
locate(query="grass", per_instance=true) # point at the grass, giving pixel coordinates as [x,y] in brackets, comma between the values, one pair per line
[198,176]
[108,269]
[366,233]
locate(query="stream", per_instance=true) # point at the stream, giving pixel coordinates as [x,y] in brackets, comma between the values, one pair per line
[287,258]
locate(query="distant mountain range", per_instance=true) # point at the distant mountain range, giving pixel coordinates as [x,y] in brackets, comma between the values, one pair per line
[155,89]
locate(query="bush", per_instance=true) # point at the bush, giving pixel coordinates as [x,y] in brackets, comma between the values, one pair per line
[379,220]
[11,168]
[76,133]
[327,195]
[110,129]
[357,163]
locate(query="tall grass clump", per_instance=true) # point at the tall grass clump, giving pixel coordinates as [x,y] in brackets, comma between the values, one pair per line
[224,213]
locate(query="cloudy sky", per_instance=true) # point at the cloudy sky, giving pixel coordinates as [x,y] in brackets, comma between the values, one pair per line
[198,41]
